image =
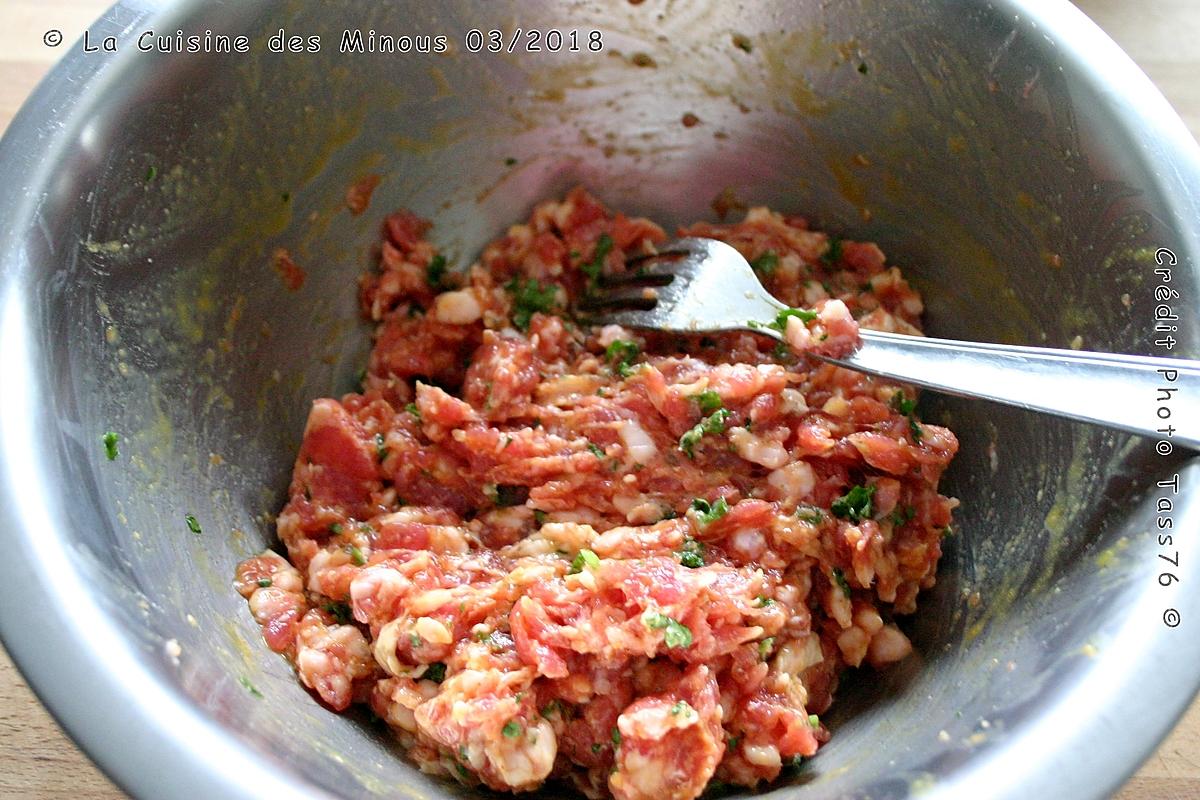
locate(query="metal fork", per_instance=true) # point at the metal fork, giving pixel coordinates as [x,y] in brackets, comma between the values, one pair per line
[696,285]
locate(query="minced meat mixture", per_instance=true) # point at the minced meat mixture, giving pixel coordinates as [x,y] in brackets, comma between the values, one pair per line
[630,561]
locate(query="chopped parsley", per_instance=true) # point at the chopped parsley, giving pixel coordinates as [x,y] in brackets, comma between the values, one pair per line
[709,401]
[435,672]
[263,583]
[765,647]
[766,263]
[539,516]
[621,354]
[854,505]
[681,707]
[110,445]
[435,273]
[595,449]
[585,558]
[708,513]
[616,736]
[901,403]
[676,634]
[901,516]
[810,514]
[834,254]
[356,556]
[781,319]
[412,409]
[511,729]
[839,578]
[597,747]
[715,423]
[249,687]
[381,451]
[594,268]
[340,612]
[814,720]
[762,601]
[529,297]
[551,708]
[151,172]
[192,523]
[691,555]
[336,529]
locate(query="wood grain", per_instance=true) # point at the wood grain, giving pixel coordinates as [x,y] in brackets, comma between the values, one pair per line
[37,762]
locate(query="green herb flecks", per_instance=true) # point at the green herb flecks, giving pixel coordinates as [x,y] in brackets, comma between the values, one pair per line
[595,449]
[249,687]
[766,263]
[675,634]
[381,450]
[585,558]
[511,729]
[595,268]
[151,172]
[691,555]
[192,523]
[682,707]
[854,505]
[411,408]
[833,254]
[616,737]
[530,297]
[839,578]
[715,423]
[621,354]
[356,556]
[781,319]
[110,440]
[765,647]
[707,513]
[340,612]
[263,583]
[902,404]
[902,516]
[810,514]
[709,401]
[435,672]
[435,273]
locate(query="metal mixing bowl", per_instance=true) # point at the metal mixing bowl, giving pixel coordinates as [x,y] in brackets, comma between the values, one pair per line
[1007,154]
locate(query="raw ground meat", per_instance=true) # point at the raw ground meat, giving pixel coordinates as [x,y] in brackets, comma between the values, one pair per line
[629,561]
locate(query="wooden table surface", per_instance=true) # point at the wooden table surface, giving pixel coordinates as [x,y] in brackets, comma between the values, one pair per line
[38,762]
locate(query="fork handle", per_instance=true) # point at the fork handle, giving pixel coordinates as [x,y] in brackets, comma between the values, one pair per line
[1154,397]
